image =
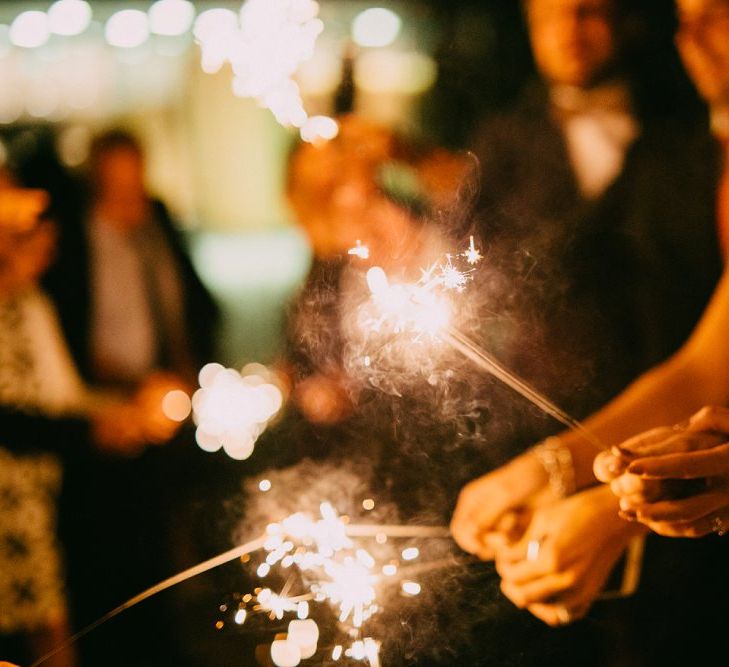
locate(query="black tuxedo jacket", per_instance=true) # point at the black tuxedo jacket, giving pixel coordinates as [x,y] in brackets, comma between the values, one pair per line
[68,283]
[593,292]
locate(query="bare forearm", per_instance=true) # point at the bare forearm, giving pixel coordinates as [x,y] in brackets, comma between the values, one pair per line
[695,376]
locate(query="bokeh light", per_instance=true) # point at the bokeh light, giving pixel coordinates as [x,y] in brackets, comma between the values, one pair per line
[30,29]
[127,28]
[232,409]
[376,27]
[171,17]
[69,17]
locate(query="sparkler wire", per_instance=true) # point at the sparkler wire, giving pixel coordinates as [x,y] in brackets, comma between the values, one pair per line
[491,365]
[355,530]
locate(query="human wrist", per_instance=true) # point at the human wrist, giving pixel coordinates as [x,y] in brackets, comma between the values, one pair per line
[555,459]
[609,509]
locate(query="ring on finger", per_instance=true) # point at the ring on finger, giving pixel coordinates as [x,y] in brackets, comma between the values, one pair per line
[533,547]
[564,616]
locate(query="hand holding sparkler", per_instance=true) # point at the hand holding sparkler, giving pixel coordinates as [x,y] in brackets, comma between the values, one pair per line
[560,565]
[490,508]
[674,480]
[128,426]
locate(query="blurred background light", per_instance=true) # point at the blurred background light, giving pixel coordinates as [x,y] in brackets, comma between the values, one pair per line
[69,17]
[171,17]
[5,44]
[42,98]
[400,72]
[376,27]
[319,128]
[212,24]
[127,29]
[216,156]
[73,145]
[30,29]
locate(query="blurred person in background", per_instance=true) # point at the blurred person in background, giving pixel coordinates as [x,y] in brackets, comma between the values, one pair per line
[47,416]
[361,192]
[138,322]
[585,196]
[370,197]
[163,318]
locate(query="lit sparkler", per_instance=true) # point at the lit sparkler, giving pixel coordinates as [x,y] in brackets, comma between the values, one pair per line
[423,308]
[338,571]
[232,408]
[334,569]
[265,44]
[472,254]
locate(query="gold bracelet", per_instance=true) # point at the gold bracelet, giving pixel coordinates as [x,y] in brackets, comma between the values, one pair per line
[556,459]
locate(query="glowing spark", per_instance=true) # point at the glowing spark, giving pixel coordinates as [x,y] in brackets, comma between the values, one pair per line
[359,250]
[406,307]
[410,587]
[368,504]
[176,405]
[472,255]
[240,616]
[276,605]
[265,45]
[411,553]
[417,308]
[452,278]
[232,409]
[337,571]
[264,485]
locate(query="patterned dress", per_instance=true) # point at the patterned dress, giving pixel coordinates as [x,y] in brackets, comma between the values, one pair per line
[36,375]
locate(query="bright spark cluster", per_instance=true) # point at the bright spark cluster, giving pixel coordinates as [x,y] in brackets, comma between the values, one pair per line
[265,44]
[232,408]
[419,307]
[335,570]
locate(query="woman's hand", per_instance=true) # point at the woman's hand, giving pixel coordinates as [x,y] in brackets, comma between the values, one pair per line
[564,558]
[674,480]
[489,508]
[127,426]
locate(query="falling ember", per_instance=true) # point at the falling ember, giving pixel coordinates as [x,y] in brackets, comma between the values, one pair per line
[411,553]
[472,255]
[410,588]
[359,250]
